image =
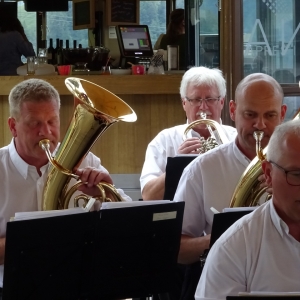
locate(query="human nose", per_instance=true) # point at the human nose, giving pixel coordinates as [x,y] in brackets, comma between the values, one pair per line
[203,104]
[260,123]
[45,129]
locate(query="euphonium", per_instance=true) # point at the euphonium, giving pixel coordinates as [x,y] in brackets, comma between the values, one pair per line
[248,191]
[95,110]
[211,142]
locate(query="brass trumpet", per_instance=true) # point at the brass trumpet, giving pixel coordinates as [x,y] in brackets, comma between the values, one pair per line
[95,110]
[211,142]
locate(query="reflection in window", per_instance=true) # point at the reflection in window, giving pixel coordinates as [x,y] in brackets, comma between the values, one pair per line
[60,26]
[293,106]
[271,39]
[153,14]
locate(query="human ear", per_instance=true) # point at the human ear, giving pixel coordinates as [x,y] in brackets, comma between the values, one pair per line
[267,168]
[232,109]
[12,126]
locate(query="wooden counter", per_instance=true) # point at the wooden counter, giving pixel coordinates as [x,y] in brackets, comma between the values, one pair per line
[154,98]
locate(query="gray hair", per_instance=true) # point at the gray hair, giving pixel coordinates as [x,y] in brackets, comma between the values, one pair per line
[278,136]
[31,90]
[255,77]
[202,76]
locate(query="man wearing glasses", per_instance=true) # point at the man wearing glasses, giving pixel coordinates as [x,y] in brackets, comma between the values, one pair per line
[260,252]
[202,93]
[210,180]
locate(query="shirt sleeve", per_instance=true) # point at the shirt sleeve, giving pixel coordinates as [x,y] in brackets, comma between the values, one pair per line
[25,48]
[155,161]
[190,190]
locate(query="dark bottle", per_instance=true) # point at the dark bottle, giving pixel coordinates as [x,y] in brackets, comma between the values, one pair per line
[50,53]
[74,44]
[67,44]
[54,56]
[59,53]
[79,46]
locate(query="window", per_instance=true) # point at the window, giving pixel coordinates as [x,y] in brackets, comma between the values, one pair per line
[271,39]
[153,14]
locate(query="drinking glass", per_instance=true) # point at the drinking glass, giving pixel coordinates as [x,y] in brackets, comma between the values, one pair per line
[31,65]
[42,54]
[106,70]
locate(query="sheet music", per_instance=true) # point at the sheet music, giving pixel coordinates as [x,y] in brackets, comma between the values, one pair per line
[232,209]
[269,294]
[19,216]
[111,205]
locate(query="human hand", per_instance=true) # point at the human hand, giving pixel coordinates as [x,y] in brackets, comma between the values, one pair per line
[190,146]
[263,184]
[91,177]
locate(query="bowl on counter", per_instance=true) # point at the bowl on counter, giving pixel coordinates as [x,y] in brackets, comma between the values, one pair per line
[120,71]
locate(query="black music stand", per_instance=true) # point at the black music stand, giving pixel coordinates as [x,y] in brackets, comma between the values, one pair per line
[174,169]
[110,254]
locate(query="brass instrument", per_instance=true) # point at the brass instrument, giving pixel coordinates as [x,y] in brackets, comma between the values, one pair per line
[211,142]
[248,191]
[95,110]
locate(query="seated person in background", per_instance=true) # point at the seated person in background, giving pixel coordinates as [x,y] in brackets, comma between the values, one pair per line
[260,252]
[210,179]
[202,90]
[175,35]
[34,115]
[14,44]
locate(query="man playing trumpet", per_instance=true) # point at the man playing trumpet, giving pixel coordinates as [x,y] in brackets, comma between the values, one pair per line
[202,92]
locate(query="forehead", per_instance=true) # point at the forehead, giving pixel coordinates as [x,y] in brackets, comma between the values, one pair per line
[193,89]
[259,95]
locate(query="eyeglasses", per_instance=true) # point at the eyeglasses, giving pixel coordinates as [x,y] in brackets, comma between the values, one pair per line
[292,177]
[199,101]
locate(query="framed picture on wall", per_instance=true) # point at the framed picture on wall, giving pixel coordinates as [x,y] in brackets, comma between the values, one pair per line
[83,14]
[122,12]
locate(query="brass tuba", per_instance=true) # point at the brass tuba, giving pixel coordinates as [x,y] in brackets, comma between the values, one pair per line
[211,142]
[95,110]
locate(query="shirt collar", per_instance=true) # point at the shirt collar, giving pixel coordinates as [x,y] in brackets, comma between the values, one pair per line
[23,167]
[243,159]
[279,224]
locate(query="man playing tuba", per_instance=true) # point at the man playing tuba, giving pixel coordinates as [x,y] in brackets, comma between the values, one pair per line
[202,92]
[210,180]
[34,115]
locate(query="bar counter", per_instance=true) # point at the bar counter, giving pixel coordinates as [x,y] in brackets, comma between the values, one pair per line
[154,98]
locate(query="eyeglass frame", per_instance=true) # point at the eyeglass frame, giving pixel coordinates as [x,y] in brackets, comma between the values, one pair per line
[200,100]
[286,172]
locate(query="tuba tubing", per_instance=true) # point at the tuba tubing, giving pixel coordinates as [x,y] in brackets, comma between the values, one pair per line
[96,109]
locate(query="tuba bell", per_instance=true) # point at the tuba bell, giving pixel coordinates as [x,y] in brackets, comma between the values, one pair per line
[211,142]
[95,110]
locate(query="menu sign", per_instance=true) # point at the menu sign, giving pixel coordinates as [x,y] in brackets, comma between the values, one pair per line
[122,12]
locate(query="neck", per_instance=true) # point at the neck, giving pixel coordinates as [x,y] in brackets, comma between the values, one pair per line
[250,154]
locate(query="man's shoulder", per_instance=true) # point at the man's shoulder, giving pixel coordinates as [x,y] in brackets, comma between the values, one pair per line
[171,131]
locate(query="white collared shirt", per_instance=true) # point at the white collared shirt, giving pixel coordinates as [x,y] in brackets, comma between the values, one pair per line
[209,181]
[257,253]
[165,145]
[22,187]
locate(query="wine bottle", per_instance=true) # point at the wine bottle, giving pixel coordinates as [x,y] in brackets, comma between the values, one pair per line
[50,53]
[59,54]
[67,44]
[74,44]
[54,58]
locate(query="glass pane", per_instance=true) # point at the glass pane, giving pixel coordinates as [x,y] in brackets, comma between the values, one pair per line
[153,14]
[203,32]
[60,26]
[179,3]
[293,106]
[271,43]
[209,34]
[28,20]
